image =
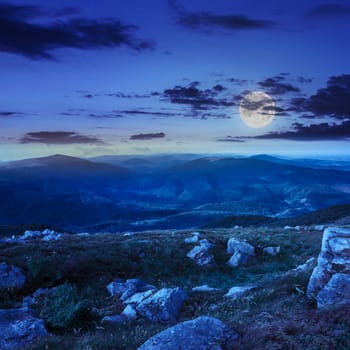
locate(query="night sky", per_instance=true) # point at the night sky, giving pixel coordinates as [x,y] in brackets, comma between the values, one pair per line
[88,78]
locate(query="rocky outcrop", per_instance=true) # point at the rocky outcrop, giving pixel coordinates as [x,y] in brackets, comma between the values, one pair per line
[330,280]
[18,328]
[46,235]
[241,252]
[202,333]
[11,277]
[163,306]
[200,254]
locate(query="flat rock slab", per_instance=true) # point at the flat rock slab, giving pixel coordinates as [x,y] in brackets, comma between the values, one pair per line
[202,333]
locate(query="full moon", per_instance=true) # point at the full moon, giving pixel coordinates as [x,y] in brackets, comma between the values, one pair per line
[257,109]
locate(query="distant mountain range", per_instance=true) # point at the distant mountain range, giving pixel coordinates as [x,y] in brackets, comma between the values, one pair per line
[118,193]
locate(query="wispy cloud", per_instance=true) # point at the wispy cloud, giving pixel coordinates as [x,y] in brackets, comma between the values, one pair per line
[23,36]
[329,10]
[277,86]
[207,20]
[10,114]
[59,138]
[149,136]
[231,139]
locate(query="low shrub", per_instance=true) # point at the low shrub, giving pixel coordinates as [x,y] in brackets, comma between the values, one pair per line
[64,308]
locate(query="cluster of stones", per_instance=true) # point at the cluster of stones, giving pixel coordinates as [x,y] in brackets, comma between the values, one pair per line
[144,300]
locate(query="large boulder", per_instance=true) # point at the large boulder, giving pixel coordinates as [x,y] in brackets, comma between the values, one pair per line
[163,306]
[200,254]
[18,328]
[329,283]
[11,277]
[202,333]
[241,252]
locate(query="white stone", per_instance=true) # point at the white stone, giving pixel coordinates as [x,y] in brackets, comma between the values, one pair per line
[272,250]
[236,246]
[236,292]
[205,289]
[139,297]
[193,239]
[129,312]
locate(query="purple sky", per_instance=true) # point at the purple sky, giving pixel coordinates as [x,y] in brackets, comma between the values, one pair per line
[88,77]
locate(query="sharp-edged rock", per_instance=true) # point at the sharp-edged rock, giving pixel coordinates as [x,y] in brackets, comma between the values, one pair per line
[129,312]
[139,297]
[125,289]
[162,306]
[241,252]
[236,246]
[200,254]
[202,333]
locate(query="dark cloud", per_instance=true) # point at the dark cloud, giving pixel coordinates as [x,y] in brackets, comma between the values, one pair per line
[333,100]
[122,95]
[206,20]
[59,138]
[330,10]
[197,98]
[20,35]
[314,132]
[10,114]
[151,136]
[149,113]
[275,86]
[304,80]
[236,81]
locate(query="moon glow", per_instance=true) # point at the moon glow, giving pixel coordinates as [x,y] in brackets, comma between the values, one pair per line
[257,109]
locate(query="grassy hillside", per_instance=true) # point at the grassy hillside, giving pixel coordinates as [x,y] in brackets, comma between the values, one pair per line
[322,216]
[277,316]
